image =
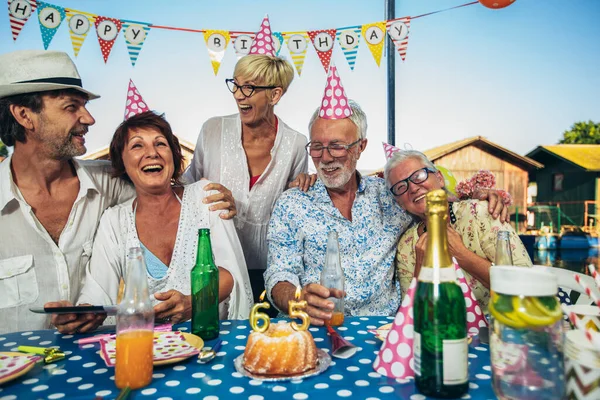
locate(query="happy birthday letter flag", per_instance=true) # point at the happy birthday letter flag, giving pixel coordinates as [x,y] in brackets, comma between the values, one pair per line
[348,38]
[374,34]
[297,43]
[216,43]
[241,42]
[323,41]
[107,30]
[79,25]
[398,29]
[19,12]
[50,17]
[135,35]
[277,42]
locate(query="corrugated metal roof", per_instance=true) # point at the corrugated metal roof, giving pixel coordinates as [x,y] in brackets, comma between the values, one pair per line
[586,156]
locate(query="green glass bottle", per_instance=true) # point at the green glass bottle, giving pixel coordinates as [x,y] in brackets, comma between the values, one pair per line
[440,315]
[205,290]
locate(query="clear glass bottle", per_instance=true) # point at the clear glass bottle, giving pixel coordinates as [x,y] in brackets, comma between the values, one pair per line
[205,290]
[440,315]
[526,334]
[135,327]
[503,251]
[332,277]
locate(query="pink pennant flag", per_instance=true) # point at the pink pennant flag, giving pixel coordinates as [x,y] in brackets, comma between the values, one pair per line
[19,12]
[475,318]
[107,30]
[395,358]
[335,103]
[135,103]
[263,42]
[323,41]
[388,149]
[398,29]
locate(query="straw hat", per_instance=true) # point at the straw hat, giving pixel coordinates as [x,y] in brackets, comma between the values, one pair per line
[31,71]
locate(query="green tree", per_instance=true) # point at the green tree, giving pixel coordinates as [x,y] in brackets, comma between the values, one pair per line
[3,150]
[582,133]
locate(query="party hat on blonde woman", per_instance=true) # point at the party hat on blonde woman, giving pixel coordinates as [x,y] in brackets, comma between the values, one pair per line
[135,103]
[263,41]
[395,358]
[475,318]
[335,103]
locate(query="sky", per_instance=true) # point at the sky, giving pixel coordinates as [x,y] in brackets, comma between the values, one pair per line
[519,76]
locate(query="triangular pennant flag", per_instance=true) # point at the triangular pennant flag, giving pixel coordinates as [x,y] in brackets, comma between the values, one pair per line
[297,43]
[107,30]
[398,29]
[135,35]
[79,25]
[241,42]
[374,35]
[216,43]
[475,318]
[50,17]
[263,42]
[334,104]
[135,103]
[277,42]
[19,12]
[395,358]
[388,149]
[323,41]
[348,38]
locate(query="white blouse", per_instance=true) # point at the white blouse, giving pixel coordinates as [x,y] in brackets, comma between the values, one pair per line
[117,233]
[220,157]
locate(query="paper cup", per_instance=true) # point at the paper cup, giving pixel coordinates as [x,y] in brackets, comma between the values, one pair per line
[582,367]
[589,316]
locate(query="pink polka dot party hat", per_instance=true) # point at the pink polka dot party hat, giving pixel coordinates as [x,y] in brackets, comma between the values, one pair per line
[263,41]
[335,103]
[135,103]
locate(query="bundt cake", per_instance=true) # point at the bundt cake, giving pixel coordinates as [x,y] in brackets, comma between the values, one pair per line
[280,351]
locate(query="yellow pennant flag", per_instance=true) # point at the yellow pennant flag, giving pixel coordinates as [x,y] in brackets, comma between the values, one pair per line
[79,25]
[374,35]
[297,43]
[216,43]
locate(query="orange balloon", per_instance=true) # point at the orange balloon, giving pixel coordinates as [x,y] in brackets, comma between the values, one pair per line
[496,3]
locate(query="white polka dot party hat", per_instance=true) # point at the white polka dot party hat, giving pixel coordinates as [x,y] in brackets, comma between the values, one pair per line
[475,318]
[135,103]
[335,103]
[263,41]
[395,358]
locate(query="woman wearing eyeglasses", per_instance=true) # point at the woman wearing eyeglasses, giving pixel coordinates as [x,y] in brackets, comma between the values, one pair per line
[472,230]
[253,153]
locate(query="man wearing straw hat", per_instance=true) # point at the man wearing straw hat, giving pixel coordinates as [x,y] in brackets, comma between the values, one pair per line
[50,202]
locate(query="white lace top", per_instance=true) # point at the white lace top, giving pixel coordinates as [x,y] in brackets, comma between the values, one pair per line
[117,233]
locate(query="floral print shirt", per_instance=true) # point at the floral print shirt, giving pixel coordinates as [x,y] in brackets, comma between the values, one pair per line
[478,230]
[297,239]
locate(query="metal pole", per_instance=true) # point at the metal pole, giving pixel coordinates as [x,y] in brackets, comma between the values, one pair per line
[390,13]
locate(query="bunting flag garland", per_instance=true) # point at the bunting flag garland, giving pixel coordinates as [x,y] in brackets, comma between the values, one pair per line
[323,41]
[374,35]
[19,12]
[216,43]
[241,42]
[135,35]
[107,30]
[297,43]
[398,29]
[50,17]
[348,38]
[79,26]
[277,42]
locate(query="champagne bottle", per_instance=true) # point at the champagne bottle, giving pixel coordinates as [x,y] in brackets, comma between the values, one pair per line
[135,327]
[503,252]
[440,315]
[332,277]
[205,290]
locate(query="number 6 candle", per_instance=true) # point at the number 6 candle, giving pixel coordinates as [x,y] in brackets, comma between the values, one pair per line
[256,316]
[296,310]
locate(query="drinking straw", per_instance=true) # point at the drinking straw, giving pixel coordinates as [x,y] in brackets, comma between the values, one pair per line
[124,393]
[587,290]
[594,274]
[592,336]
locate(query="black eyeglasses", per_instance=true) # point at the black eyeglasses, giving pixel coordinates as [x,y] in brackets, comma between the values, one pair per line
[336,150]
[247,90]
[419,176]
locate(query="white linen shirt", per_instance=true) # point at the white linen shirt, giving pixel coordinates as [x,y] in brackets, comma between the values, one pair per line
[117,233]
[220,157]
[34,269]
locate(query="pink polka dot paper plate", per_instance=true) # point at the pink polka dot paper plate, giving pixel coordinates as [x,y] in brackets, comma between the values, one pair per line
[169,348]
[14,365]
[382,332]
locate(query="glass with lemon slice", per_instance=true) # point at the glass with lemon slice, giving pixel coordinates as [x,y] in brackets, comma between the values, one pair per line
[525,334]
